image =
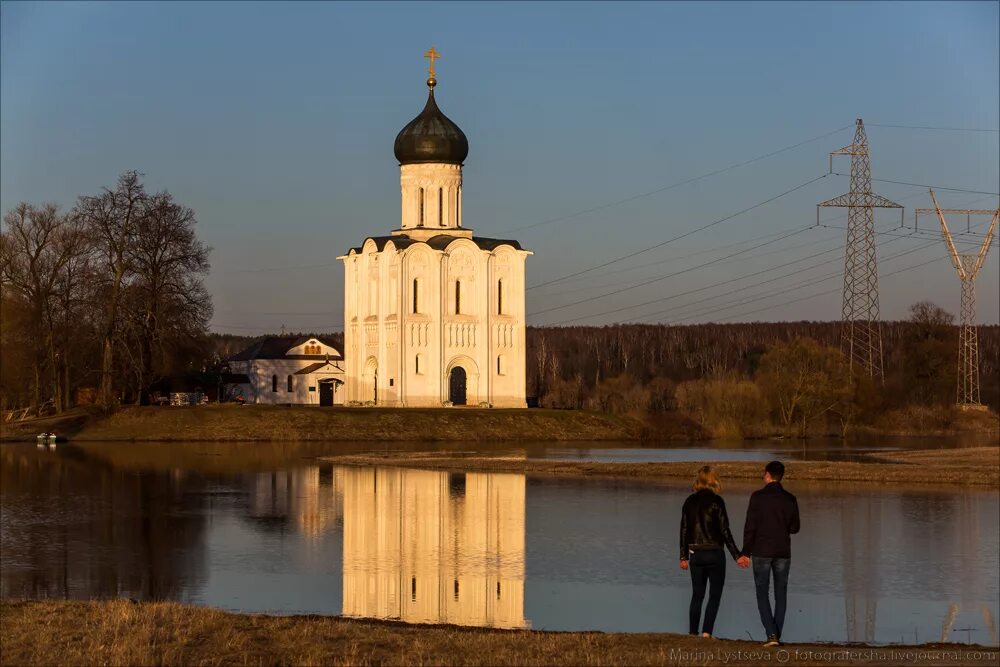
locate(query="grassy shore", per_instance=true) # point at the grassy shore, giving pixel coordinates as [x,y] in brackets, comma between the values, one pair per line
[263,423]
[125,633]
[977,466]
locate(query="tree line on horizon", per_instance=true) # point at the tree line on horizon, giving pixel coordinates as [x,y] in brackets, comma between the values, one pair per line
[738,379]
[744,379]
[107,296]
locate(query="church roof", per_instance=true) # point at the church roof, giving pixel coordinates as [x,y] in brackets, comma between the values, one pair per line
[277,346]
[439,242]
[431,137]
[311,368]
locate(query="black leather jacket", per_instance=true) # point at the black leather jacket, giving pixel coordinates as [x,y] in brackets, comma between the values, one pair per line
[705,524]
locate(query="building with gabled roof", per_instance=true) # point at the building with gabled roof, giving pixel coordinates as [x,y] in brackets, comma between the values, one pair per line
[292,370]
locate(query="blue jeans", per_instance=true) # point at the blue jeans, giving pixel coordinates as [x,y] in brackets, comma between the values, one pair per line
[762,570]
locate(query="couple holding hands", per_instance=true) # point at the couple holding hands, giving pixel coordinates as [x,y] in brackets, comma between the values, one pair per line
[772,517]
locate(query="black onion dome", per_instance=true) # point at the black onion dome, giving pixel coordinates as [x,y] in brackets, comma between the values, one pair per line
[431,137]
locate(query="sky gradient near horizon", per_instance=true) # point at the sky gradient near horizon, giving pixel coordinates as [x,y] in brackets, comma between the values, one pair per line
[275,123]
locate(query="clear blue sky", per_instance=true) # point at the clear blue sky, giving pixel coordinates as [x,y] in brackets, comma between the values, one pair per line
[275,122]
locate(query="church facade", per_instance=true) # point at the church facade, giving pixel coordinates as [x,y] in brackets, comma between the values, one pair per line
[434,315]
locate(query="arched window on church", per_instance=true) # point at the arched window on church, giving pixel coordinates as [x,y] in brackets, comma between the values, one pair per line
[458,297]
[416,295]
[420,220]
[440,207]
[289,383]
[500,297]
[274,383]
[418,366]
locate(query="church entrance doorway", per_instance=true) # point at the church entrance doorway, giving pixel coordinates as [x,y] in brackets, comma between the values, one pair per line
[456,386]
[326,393]
[369,382]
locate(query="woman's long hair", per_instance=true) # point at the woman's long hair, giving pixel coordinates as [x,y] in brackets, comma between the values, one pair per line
[707,479]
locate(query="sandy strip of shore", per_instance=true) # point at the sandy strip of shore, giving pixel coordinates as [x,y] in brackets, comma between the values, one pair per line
[978,466]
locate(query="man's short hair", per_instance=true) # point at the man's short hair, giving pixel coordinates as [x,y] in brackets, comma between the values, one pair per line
[776,469]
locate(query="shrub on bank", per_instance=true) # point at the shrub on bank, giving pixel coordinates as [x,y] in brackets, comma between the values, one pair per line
[725,407]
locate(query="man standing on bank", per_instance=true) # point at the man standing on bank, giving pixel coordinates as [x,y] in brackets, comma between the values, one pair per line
[772,517]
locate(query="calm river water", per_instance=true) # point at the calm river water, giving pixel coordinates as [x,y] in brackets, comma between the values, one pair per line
[261,527]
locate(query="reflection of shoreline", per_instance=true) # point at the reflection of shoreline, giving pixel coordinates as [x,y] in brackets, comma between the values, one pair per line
[76,528]
[944,469]
[434,547]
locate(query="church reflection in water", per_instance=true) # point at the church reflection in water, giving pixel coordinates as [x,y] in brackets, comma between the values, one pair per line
[433,547]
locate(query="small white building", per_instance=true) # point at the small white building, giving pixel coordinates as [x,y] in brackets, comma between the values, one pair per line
[434,315]
[296,370]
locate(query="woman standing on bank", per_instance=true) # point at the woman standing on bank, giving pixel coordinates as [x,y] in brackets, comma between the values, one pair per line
[704,532]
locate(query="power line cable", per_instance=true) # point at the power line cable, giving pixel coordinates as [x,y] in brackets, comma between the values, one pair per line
[719,284]
[807,244]
[770,295]
[678,184]
[796,287]
[831,291]
[657,262]
[668,275]
[679,236]
[924,185]
[734,280]
[933,127]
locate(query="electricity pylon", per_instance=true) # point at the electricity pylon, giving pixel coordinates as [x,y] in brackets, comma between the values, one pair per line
[967,265]
[861,336]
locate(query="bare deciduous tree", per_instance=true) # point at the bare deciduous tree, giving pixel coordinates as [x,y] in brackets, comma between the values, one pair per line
[37,246]
[114,219]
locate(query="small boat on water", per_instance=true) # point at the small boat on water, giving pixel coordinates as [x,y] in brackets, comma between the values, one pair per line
[46,439]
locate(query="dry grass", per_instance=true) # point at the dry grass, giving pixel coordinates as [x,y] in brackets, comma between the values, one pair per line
[979,466]
[125,633]
[260,423]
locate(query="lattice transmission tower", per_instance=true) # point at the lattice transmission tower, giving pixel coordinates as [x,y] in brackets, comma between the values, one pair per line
[861,335]
[967,265]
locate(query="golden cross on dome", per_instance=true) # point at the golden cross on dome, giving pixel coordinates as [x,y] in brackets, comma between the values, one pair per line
[432,55]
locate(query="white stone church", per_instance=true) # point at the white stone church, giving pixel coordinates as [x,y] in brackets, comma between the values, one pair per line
[433,315]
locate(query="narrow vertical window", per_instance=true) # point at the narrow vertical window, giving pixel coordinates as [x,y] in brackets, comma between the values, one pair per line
[440,207]
[413,589]
[289,383]
[499,297]
[416,364]
[458,297]
[458,207]
[420,220]
[274,383]
[416,298]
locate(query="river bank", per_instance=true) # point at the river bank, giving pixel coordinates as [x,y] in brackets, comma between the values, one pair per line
[975,466]
[279,423]
[273,423]
[121,632]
